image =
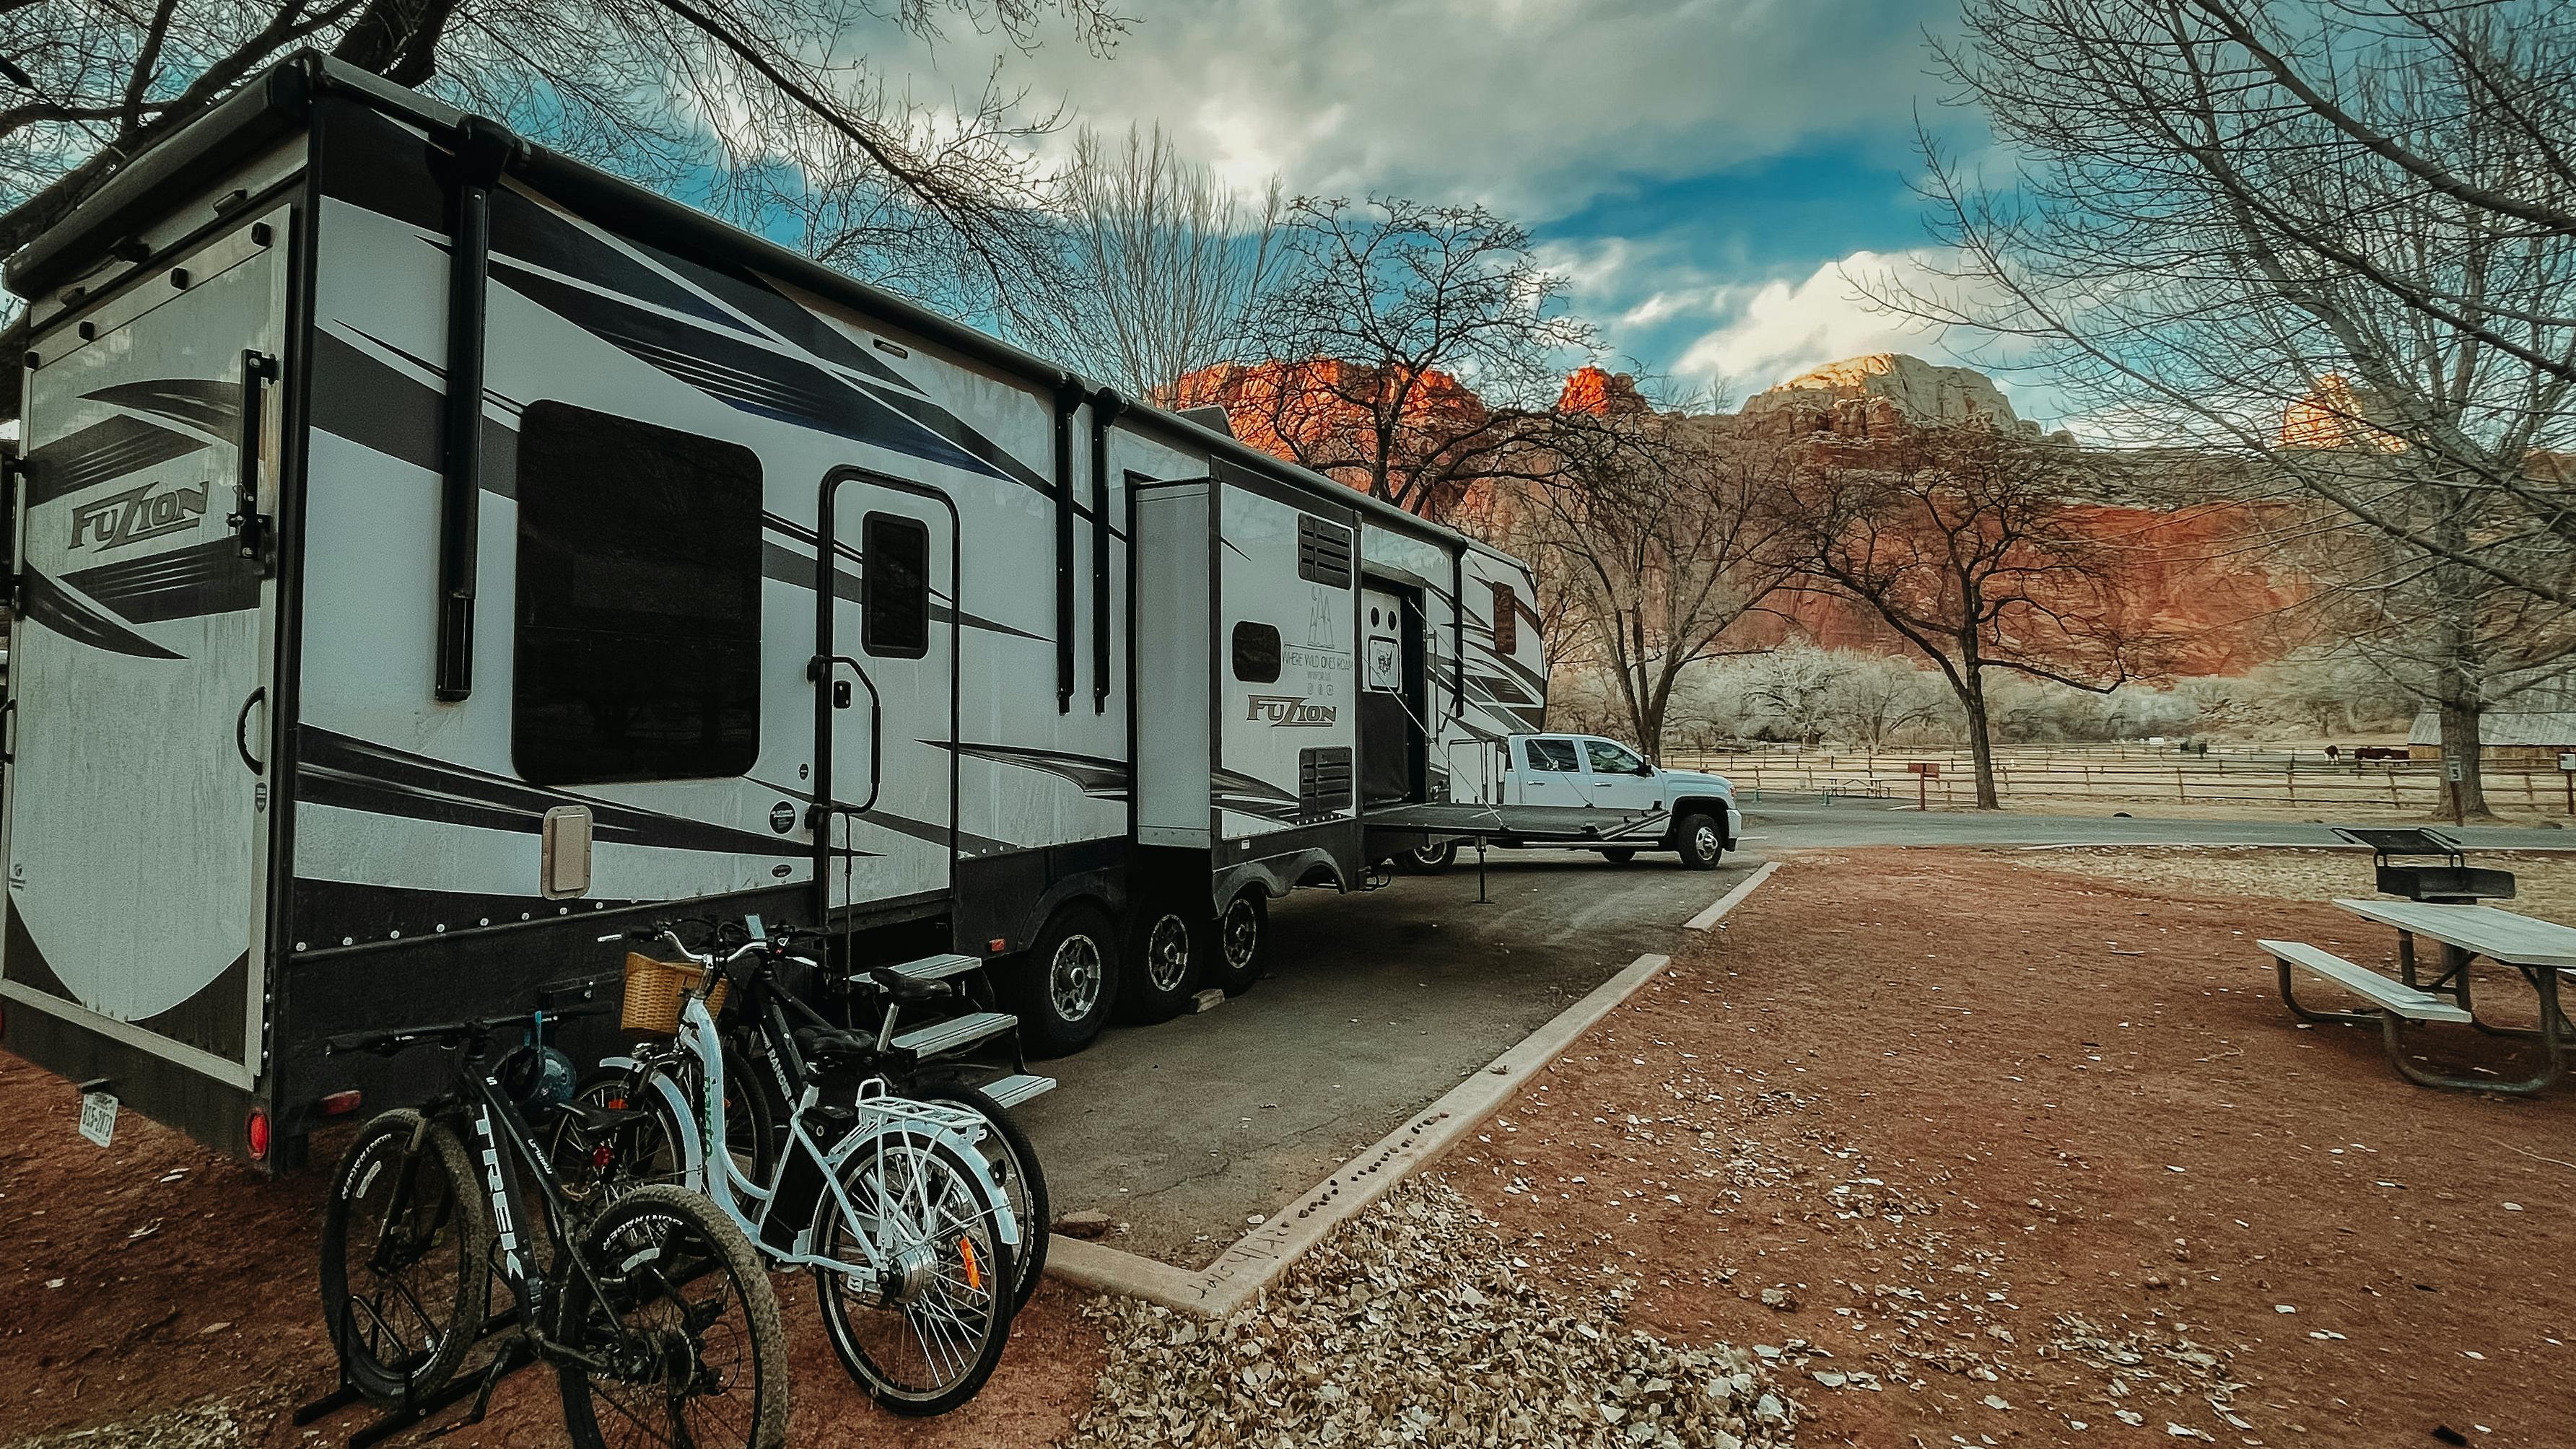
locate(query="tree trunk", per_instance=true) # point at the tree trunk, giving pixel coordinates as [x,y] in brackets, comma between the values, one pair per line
[2462,752]
[1981,744]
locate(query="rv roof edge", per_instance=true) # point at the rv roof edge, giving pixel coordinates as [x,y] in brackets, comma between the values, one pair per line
[271,104]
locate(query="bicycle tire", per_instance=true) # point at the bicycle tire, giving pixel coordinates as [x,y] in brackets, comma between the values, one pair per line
[455,1212]
[1013,1161]
[646,1248]
[920,1169]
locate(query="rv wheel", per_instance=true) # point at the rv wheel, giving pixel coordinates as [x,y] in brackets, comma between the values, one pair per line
[1163,954]
[1242,946]
[1067,984]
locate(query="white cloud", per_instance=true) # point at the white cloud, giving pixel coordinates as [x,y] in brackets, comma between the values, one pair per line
[1532,107]
[1776,331]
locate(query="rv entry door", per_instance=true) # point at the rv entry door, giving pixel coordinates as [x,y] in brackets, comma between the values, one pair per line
[886,672]
[138,799]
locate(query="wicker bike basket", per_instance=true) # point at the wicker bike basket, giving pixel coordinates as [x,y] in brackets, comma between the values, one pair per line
[653,992]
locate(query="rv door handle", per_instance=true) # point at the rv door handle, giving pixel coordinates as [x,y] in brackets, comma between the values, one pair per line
[241,730]
[249,525]
[9,733]
[819,669]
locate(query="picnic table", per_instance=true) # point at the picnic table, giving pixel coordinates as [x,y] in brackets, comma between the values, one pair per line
[2539,951]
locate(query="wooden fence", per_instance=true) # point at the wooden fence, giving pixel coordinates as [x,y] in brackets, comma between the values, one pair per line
[2028,777]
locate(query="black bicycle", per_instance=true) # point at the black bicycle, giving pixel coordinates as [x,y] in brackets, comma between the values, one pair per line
[652,1307]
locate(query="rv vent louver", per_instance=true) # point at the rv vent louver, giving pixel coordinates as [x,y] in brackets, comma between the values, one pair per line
[1324,780]
[1323,552]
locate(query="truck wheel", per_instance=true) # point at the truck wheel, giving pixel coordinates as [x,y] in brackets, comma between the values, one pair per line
[1700,841]
[1241,948]
[1429,859]
[1067,984]
[1618,857]
[1163,953]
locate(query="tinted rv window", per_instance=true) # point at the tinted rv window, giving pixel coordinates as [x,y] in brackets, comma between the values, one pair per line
[638,640]
[895,587]
[1256,653]
[1507,620]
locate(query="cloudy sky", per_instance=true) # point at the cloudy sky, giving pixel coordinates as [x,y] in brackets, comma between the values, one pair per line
[1704,172]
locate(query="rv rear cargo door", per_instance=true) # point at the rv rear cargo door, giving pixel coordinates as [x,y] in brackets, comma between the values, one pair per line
[137,805]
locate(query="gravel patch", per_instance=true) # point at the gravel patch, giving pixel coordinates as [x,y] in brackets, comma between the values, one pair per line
[1414,1324]
[2544,885]
[213,1424]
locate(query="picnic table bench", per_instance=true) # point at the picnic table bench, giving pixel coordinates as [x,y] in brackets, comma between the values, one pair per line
[2539,951]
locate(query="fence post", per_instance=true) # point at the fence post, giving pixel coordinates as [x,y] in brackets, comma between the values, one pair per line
[2179,792]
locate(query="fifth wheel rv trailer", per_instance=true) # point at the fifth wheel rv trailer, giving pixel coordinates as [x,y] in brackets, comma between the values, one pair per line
[734,585]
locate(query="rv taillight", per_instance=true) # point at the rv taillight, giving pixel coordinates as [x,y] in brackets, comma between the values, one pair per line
[339,1104]
[255,1134]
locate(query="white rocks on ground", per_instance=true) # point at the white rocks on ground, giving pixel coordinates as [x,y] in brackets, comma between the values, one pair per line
[1410,1325]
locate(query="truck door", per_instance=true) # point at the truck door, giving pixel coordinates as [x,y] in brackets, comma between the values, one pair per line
[137,815]
[1551,771]
[1614,781]
[886,671]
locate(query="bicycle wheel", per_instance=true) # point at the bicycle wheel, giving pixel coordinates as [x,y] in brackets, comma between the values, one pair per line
[1013,1161]
[926,1336]
[406,1258]
[685,1326]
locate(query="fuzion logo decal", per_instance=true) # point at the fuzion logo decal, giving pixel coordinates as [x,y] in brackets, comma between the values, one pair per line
[136,514]
[1291,711]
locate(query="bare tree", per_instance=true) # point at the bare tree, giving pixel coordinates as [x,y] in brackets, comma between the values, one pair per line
[1163,262]
[1957,540]
[1413,351]
[2331,237]
[755,109]
[1659,535]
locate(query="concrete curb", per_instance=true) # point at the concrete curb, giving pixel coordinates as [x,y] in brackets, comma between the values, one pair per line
[1731,899]
[1256,1261]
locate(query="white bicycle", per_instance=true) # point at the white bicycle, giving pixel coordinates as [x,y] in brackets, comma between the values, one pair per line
[888,1201]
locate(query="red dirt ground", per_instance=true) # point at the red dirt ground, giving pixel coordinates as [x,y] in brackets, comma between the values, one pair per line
[1940,1103]
[218,1300]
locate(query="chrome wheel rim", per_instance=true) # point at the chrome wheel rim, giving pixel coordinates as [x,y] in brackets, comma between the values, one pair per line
[1073,977]
[1704,841]
[1429,854]
[1242,933]
[1167,952]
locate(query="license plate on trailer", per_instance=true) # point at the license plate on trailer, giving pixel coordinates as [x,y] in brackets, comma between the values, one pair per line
[98,1117]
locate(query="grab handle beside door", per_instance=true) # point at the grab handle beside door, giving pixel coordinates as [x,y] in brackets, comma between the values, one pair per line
[241,730]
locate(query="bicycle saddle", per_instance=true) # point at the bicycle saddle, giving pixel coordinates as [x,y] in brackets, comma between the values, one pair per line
[824,1047]
[904,990]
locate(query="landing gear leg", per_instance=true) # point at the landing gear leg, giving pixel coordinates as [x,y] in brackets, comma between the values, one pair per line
[1480,873]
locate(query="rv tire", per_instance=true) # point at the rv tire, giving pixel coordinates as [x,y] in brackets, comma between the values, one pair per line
[1066,985]
[1619,857]
[1165,954]
[1239,945]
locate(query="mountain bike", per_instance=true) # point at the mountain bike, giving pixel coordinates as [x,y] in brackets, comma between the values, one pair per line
[652,1308]
[889,1201]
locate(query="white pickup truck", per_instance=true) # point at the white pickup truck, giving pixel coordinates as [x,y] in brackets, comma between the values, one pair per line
[1592,793]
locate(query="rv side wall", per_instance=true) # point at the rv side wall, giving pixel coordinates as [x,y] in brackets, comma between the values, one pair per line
[1172,654]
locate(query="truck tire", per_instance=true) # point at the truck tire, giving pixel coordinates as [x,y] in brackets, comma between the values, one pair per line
[1620,856]
[1165,957]
[1065,986]
[1429,859]
[1700,840]
[1239,946]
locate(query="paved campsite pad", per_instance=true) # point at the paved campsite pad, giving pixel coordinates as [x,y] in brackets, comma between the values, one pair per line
[2074,1142]
[1376,1006]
